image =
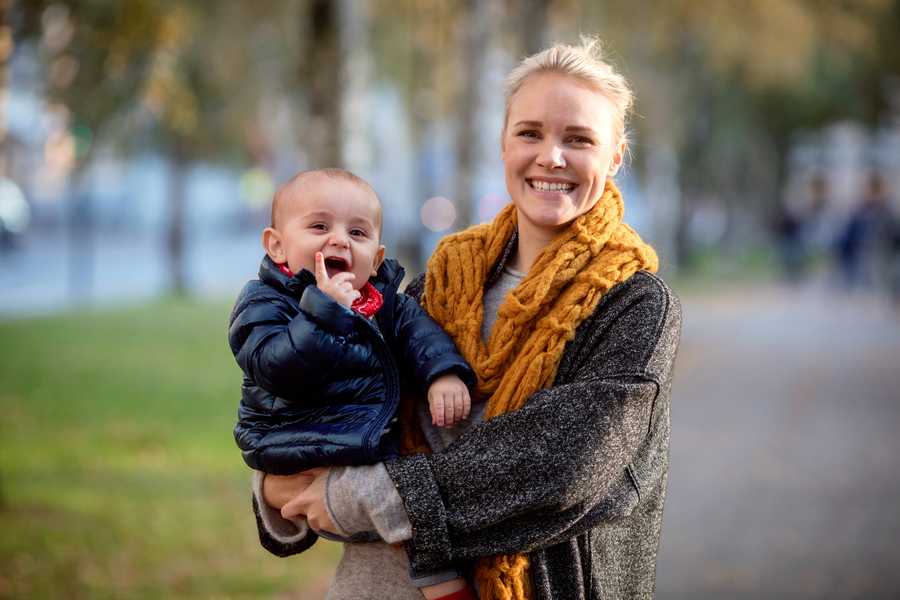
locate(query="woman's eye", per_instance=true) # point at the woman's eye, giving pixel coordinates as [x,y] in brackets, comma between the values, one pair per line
[580,139]
[529,134]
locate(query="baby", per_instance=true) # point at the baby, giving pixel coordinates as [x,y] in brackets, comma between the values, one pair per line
[324,337]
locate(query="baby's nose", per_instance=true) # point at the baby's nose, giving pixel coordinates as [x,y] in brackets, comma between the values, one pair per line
[339,238]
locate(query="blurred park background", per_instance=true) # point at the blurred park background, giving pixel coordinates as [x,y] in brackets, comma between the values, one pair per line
[141,141]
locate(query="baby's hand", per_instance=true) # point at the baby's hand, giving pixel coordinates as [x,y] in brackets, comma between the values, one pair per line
[449,401]
[339,287]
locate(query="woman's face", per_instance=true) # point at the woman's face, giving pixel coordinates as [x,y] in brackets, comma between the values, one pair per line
[558,149]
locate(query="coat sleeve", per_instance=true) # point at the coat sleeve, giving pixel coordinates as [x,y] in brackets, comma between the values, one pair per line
[425,350]
[287,352]
[281,537]
[557,467]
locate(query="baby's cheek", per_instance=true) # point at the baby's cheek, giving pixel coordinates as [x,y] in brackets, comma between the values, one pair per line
[298,263]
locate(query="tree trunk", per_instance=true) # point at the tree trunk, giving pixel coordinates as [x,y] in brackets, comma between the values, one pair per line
[80,238]
[321,77]
[6,50]
[693,160]
[422,114]
[532,25]
[175,246]
[661,175]
[475,26]
[355,86]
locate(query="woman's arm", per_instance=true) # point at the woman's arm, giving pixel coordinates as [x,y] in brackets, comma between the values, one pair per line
[559,465]
[524,480]
[365,497]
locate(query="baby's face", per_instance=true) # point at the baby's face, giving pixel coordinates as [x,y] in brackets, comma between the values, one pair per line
[338,218]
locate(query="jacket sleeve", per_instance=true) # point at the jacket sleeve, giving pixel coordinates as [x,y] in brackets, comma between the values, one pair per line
[558,466]
[426,351]
[287,353]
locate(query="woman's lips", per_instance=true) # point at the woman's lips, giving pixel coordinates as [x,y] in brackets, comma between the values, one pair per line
[542,185]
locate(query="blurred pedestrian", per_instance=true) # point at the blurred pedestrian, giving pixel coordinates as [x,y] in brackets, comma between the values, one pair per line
[863,245]
[788,229]
[798,229]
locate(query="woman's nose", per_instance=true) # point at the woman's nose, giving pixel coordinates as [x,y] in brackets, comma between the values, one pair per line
[552,157]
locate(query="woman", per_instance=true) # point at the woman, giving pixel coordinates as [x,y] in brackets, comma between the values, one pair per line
[555,488]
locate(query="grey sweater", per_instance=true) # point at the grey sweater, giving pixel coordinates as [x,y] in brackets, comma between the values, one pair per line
[577,477]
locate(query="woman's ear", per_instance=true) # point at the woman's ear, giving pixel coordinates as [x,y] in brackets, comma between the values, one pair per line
[617,158]
[272,243]
[379,258]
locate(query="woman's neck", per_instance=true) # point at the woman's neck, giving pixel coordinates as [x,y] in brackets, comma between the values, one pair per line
[532,241]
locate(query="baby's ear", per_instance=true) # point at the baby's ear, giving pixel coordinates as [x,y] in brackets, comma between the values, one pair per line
[271,241]
[379,258]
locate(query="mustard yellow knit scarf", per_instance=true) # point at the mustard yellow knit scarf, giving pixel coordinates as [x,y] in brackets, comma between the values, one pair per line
[534,322]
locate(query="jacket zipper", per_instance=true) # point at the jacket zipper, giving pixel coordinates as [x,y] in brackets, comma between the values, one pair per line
[392,397]
[391,380]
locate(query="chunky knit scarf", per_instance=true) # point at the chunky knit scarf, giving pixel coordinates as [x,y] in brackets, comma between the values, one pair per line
[537,318]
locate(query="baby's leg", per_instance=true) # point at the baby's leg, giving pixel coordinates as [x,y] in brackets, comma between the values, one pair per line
[455,589]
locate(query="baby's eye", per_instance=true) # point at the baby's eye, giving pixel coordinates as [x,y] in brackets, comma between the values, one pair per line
[319,226]
[358,233]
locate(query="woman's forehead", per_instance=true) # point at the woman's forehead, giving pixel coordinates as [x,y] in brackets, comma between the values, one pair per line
[555,97]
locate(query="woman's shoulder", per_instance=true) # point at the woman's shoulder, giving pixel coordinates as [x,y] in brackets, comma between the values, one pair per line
[644,292]
[416,287]
[636,327]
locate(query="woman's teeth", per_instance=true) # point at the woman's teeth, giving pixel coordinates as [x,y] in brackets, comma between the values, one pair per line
[546,186]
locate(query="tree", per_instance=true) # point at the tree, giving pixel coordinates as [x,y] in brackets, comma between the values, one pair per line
[146,75]
[726,84]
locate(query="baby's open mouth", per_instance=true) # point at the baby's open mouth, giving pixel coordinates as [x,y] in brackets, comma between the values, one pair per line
[335,265]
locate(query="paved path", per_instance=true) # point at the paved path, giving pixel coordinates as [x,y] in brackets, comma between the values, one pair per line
[785,464]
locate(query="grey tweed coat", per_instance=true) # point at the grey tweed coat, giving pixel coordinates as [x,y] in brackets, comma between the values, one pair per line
[577,477]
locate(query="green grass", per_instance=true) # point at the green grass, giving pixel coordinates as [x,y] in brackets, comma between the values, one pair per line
[118,473]
[710,269]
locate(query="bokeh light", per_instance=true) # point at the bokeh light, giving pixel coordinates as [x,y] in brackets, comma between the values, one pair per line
[15,213]
[438,213]
[256,187]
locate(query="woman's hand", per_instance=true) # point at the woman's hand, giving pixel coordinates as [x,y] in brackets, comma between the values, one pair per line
[303,495]
[278,490]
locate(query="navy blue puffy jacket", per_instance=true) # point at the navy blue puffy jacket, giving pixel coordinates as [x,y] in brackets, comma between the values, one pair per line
[321,382]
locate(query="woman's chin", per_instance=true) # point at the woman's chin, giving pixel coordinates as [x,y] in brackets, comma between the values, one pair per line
[552,217]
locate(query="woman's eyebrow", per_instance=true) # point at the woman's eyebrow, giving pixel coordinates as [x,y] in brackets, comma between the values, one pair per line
[580,129]
[528,124]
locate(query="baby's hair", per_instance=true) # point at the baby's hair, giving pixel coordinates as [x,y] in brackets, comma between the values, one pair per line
[585,62]
[282,192]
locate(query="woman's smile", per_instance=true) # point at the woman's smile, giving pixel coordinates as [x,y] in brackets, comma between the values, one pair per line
[551,185]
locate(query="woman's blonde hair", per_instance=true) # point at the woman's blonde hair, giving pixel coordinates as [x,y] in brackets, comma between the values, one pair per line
[584,62]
